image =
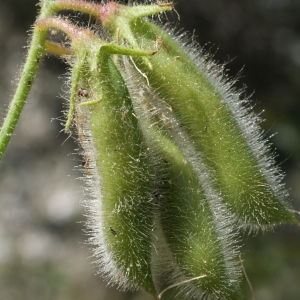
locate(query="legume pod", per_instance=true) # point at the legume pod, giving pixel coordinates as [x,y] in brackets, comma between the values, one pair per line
[222,127]
[200,234]
[119,170]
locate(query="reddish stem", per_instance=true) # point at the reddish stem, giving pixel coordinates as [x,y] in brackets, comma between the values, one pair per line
[101,12]
[73,32]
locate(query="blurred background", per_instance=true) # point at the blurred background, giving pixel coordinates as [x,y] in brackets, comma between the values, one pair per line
[42,250]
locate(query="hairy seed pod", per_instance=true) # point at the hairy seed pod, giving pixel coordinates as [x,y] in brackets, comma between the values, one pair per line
[197,228]
[223,129]
[120,173]
[121,180]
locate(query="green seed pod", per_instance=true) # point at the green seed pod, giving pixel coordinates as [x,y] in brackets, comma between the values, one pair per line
[122,177]
[119,170]
[222,127]
[200,236]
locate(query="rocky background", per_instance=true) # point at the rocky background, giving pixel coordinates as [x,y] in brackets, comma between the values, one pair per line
[42,250]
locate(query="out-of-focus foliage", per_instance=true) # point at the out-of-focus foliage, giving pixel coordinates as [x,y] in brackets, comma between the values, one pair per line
[42,255]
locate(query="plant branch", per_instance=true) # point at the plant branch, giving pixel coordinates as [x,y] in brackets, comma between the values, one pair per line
[35,53]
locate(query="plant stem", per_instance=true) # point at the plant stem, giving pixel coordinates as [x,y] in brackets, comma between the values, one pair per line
[35,53]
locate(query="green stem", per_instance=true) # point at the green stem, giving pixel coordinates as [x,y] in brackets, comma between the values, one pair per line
[76,73]
[35,53]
